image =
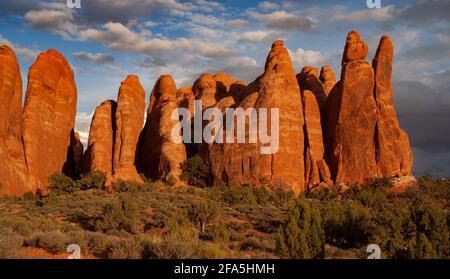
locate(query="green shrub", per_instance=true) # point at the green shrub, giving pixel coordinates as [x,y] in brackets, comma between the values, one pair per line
[53,242]
[122,186]
[121,215]
[281,197]
[430,220]
[195,171]
[16,224]
[302,235]
[202,212]
[61,184]
[124,249]
[93,180]
[380,183]
[348,224]
[29,196]
[239,195]
[10,243]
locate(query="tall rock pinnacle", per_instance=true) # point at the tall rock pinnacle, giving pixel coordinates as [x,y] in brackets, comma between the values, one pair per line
[48,117]
[160,156]
[13,170]
[129,122]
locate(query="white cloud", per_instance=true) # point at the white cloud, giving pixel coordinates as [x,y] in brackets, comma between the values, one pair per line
[83,125]
[284,21]
[120,38]
[268,6]
[27,54]
[261,36]
[53,18]
[303,58]
[98,58]
[235,23]
[340,14]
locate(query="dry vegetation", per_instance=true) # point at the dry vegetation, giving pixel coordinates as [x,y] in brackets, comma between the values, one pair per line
[156,220]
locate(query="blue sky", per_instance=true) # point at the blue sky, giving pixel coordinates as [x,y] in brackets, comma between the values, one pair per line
[107,39]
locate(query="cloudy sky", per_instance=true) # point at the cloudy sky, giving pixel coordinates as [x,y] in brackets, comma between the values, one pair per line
[105,40]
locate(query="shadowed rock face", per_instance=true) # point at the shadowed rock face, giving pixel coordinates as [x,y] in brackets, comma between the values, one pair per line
[393,155]
[129,122]
[316,169]
[328,78]
[48,117]
[309,80]
[72,166]
[13,171]
[100,150]
[160,156]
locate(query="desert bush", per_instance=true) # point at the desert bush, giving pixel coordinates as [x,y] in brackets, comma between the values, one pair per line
[325,193]
[348,224]
[10,243]
[379,183]
[371,197]
[124,249]
[201,213]
[53,242]
[239,195]
[430,221]
[195,171]
[29,196]
[16,224]
[120,215]
[302,235]
[122,186]
[61,184]
[93,180]
[281,197]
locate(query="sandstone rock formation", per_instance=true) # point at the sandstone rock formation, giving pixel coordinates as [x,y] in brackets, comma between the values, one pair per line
[316,169]
[48,117]
[186,98]
[328,78]
[129,122]
[204,89]
[393,154]
[308,79]
[13,170]
[329,132]
[100,149]
[355,48]
[72,166]
[352,118]
[276,88]
[160,156]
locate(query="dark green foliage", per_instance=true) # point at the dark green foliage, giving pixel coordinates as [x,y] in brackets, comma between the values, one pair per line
[239,195]
[247,194]
[29,196]
[348,224]
[195,171]
[302,235]
[61,184]
[121,215]
[94,180]
[201,213]
[122,186]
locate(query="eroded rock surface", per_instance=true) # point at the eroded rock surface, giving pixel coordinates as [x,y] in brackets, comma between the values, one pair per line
[48,117]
